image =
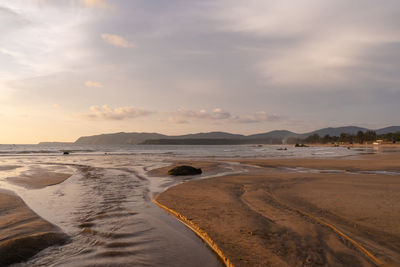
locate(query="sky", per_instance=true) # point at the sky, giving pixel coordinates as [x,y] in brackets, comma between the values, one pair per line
[71,68]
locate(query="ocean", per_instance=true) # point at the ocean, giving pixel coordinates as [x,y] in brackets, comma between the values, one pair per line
[206,151]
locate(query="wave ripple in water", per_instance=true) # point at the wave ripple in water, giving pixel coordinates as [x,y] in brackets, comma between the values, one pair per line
[112,221]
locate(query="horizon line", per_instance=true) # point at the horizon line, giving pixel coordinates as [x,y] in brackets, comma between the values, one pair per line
[195,133]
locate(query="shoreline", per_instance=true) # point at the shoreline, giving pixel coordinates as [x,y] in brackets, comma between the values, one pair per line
[198,231]
[209,168]
[280,218]
[23,232]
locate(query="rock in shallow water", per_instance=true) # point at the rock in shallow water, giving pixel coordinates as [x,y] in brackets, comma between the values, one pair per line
[184,170]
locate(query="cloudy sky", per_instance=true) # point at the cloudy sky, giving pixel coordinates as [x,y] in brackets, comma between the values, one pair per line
[81,67]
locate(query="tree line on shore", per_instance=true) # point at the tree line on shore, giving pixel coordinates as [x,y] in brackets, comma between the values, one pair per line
[360,138]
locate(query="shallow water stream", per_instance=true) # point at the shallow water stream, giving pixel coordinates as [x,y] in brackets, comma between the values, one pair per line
[106,207]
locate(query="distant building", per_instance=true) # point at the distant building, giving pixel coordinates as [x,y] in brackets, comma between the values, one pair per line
[378,142]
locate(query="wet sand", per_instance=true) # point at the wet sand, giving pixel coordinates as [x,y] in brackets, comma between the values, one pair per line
[39,178]
[368,162]
[273,216]
[22,232]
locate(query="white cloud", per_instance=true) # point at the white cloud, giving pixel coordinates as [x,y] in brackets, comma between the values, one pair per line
[260,116]
[93,84]
[176,120]
[182,115]
[280,18]
[216,114]
[107,113]
[86,3]
[220,114]
[35,46]
[95,3]
[306,46]
[116,40]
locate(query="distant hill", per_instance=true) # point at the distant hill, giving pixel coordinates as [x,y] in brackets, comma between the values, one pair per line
[351,130]
[54,143]
[279,134]
[273,137]
[337,131]
[118,138]
[210,135]
[391,129]
[201,141]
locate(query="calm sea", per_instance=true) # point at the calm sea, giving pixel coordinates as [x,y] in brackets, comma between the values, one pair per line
[182,150]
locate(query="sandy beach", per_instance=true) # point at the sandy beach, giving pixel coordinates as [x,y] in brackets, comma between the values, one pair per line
[341,213]
[22,232]
[337,211]
[39,177]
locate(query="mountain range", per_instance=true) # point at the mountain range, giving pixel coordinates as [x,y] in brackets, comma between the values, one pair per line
[219,137]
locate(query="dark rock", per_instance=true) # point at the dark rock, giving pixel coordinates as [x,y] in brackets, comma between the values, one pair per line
[300,145]
[65,153]
[20,249]
[184,170]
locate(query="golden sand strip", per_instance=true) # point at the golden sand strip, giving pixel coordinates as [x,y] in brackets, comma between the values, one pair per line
[198,231]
